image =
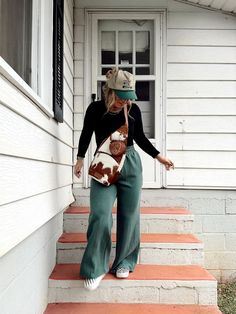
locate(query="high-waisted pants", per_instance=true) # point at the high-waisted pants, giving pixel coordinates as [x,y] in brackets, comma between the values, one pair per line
[127,189]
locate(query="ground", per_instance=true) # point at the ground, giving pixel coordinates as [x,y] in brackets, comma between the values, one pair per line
[227,297]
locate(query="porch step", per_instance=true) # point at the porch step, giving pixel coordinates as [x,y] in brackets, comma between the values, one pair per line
[172,249]
[147,284]
[153,220]
[86,308]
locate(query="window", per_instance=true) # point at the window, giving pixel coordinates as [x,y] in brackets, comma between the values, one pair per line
[16,35]
[129,45]
[31,42]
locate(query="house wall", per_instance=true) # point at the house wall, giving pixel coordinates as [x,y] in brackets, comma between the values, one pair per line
[201,90]
[200,120]
[35,188]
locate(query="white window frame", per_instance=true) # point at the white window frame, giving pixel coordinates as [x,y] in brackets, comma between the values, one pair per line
[41,89]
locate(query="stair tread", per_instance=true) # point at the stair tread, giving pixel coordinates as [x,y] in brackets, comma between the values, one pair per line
[145,238]
[105,308]
[142,272]
[143,210]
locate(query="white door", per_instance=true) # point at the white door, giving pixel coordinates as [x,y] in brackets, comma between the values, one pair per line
[132,42]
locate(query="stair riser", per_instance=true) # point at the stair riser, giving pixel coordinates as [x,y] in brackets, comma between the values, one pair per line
[148,255]
[132,291]
[149,224]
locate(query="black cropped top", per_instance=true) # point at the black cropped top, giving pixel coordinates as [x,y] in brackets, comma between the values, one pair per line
[103,123]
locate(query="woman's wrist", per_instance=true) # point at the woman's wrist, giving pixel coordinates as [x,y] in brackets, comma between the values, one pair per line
[80,158]
[158,156]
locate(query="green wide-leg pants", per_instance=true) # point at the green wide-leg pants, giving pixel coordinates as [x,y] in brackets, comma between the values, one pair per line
[127,190]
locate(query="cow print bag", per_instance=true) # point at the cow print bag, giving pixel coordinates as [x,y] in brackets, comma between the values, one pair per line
[110,156]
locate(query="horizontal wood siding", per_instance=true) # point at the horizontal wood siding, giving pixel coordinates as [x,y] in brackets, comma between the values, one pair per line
[200,142]
[36,155]
[201,99]
[25,216]
[201,55]
[26,268]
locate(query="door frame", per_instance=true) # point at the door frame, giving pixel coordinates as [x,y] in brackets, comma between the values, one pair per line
[88,73]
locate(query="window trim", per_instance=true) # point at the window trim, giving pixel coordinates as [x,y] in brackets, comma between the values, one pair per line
[42,58]
[40,91]
[7,71]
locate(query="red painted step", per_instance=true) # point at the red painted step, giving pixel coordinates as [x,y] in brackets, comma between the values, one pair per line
[145,238]
[143,210]
[142,272]
[108,308]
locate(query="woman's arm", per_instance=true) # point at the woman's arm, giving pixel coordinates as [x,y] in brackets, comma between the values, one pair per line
[87,131]
[85,138]
[139,136]
[144,143]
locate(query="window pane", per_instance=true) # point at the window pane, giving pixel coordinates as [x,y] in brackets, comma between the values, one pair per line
[146,101]
[100,94]
[130,70]
[108,47]
[104,70]
[143,90]
[15,35]
[143,71]
[125,48]
[143,47]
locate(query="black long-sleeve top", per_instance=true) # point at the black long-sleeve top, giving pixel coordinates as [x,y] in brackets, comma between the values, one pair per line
[103,123]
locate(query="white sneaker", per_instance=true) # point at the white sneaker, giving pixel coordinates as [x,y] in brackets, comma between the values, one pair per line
[93,283]
[122,272]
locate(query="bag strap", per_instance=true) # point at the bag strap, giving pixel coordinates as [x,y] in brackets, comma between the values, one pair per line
[126,121]
[126,116]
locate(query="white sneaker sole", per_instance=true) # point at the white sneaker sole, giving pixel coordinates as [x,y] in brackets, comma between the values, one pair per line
[92,284]
[122,275]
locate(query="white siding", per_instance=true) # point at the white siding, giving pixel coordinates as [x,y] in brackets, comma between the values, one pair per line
[35,187]
[201,99]
[26,268]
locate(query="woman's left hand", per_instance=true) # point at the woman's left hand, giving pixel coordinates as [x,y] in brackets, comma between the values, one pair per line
[165,161]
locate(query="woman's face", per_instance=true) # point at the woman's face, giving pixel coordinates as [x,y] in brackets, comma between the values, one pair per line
[119,103]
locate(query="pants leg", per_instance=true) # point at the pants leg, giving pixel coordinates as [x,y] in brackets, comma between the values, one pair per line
[95,261]
[128,213]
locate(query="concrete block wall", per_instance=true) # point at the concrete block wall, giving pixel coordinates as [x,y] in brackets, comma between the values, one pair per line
[214,223]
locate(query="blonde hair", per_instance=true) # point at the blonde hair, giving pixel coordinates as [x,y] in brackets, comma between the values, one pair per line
[109,96]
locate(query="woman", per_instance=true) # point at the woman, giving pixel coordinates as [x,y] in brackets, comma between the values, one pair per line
[104,117]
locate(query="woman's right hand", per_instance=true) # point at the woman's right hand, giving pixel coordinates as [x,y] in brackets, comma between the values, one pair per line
[78,167]
[165,161]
